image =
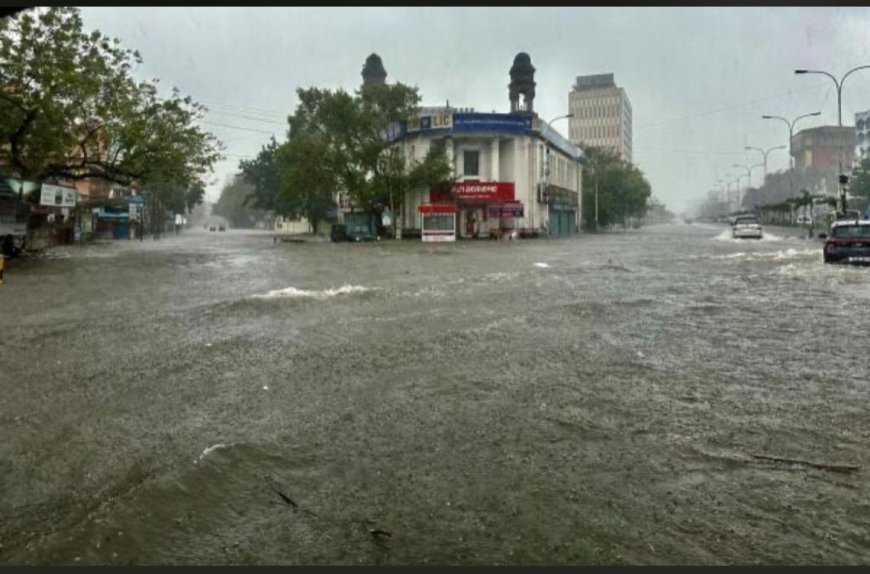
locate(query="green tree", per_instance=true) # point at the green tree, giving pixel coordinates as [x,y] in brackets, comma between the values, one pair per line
[71,109]
[308,179]
[233,203]
[396,175]
[264,175]
[623,191]
[343,142]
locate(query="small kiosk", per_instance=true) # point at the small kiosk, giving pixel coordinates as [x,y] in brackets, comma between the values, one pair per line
[439,221]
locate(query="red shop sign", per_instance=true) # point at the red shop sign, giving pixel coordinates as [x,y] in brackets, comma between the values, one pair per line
[440,195]
[438,208]
[484,190]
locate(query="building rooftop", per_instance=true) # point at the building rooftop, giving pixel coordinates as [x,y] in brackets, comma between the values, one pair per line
[594,82]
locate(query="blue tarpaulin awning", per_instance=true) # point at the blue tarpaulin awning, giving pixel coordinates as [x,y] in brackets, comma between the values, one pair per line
[103,214]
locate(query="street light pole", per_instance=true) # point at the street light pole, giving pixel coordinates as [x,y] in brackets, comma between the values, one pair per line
[748,174]
[839,120]
[764,153]
[596,196]
[748,169]
[790,125]
[547,159]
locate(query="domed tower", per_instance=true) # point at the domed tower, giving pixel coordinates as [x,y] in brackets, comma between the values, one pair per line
[522,86]
[373,72]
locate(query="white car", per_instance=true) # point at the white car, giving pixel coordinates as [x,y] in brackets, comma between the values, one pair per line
[746,227]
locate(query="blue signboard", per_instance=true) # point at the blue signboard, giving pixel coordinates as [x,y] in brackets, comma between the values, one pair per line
[475,122]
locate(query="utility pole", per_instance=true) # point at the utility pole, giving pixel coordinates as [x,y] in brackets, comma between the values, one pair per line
[596,196]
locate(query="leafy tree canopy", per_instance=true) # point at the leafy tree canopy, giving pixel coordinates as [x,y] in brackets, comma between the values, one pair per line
[343,143]
[623,191]
[71,109]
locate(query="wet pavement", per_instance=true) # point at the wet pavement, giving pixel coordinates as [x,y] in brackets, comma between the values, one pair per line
[665,395]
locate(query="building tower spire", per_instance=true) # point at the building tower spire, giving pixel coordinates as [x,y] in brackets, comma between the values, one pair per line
[522,86]
[373,72]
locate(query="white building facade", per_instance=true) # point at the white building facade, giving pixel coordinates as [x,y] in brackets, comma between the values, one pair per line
[500,181]
[862,127]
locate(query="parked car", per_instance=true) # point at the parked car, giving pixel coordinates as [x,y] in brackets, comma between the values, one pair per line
[338,233]
[222,227]
[746,226]
[848,242]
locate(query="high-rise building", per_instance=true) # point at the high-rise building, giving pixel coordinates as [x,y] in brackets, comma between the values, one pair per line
[602,114]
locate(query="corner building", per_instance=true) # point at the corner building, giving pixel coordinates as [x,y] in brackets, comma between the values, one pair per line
[501,183]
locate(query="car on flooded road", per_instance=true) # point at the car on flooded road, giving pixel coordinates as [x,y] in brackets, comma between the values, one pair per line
[746,227]
[848,242]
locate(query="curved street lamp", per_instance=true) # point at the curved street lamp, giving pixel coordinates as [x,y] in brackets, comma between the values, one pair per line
[748,169]
[839,87]
[764,153]
[790,125]
[547,167]
[550,125]
[839,120]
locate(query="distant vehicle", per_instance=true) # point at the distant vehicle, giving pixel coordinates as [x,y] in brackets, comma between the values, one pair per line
[212,228]
[848,242]
[746,227]
[222,228]
[732,218]
[804,219]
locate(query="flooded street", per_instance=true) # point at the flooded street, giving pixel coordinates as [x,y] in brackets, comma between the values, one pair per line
[216,398]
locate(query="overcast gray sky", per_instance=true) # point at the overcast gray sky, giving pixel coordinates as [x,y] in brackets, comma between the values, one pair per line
[699,79]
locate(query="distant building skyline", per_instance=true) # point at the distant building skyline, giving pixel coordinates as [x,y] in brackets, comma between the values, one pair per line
[602,115]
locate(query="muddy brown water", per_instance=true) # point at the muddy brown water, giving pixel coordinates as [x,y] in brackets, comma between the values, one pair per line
[220,399]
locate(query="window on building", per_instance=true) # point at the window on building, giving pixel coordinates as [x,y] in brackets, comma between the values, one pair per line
[471,162]
[439,221]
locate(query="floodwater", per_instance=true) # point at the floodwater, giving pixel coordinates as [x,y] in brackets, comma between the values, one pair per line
[215,398]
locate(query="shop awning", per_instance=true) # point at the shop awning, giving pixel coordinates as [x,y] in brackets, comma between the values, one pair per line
[509,209]
[438,208]
[103,214]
